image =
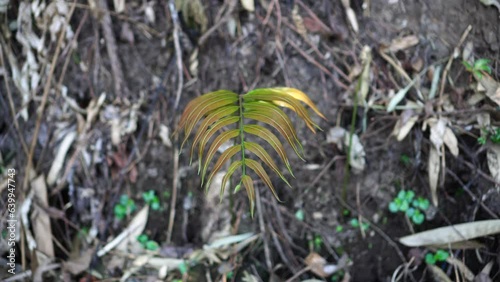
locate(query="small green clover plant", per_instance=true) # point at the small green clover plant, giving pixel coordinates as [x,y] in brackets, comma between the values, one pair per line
[405,159]
[354,222]
[478,68]
[151,199]
[146,243]
[124,207]
[493,135]
[439,256]
[413,207]
[300,215]
[318,242]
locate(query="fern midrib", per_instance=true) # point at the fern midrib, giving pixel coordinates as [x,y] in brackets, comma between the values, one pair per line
[242,137]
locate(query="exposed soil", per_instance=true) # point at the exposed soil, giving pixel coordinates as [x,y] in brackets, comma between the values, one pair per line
[262,55]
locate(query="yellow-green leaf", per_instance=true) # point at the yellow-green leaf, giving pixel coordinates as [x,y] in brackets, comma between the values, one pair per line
[219,140]
[224,157]
[232,168]
[270,138]
[301,96]
[209,133]
[219,109]
[283,126]
[189,111]
[259,170]
[275,96]
[265,158]
[214,119]
[248,183]
[204,108]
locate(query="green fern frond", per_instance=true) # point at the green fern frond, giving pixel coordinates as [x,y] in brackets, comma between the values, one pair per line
[217,110]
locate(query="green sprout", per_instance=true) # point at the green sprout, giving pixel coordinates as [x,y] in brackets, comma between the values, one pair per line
[146,243]
[354,222]
[492,134]
[318,241]
[124,207]
[405,159]
[412,207]
[495,136]
[151,199]
[481,140]
[299,215]
[478,68]
[337,276]
[183,268]
[439,256]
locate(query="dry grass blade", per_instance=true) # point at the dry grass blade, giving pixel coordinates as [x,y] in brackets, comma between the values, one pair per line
[452,233]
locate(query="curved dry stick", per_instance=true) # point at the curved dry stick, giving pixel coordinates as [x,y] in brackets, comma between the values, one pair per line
[109,37]
[178,51]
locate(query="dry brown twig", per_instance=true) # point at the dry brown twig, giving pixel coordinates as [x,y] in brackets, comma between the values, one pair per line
[178,51]
[225,18]
[116,66]
[456,50]
[262,227]
[40,111]
[175,180]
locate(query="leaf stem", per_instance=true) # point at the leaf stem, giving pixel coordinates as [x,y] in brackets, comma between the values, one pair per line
[242,137]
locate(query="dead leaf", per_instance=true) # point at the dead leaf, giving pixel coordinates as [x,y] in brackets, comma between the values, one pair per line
[483,120]
[450,140]
[298,21]
[402,43]
[129,235]
[149,12]
[438,274]
[316,263]
[40,219]
[493,156]
[404,125]
[164,135]
[484,275]
[193,62]
[248,5]
[466,272]
[58,162]
[247,277]
[336,136]
[366,58]
[340,137]
[357,153]
[462,245]
[193,12]
[80,263]
[492,88]
[433,168]
[351,16]
[437,132]
[452,234]
[119,5]
[467,51]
